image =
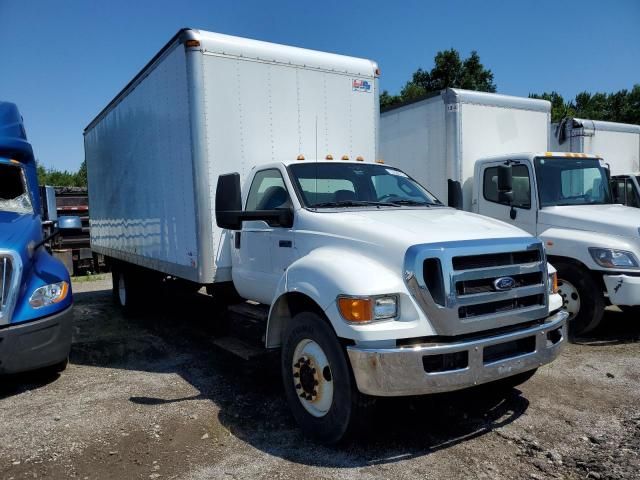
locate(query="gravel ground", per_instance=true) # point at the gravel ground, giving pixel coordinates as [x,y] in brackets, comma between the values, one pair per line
[150,397]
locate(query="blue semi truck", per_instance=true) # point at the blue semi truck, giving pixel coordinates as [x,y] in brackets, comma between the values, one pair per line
[35,289]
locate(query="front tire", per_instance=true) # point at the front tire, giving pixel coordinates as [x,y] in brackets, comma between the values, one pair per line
[582,298]
[318,381]
[126,289]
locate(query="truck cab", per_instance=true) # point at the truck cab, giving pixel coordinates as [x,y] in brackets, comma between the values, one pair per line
[35,289]
[375,288]
[565,199]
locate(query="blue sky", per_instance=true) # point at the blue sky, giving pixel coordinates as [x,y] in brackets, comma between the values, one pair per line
[62,61]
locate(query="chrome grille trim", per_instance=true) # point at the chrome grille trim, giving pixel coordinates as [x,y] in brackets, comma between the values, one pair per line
[445,317]
[10,283]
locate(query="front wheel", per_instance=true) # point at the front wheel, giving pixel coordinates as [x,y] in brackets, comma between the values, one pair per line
[581,298]
[318,381]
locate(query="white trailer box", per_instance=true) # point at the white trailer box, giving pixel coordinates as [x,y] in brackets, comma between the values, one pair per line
[208,104]
[441,137]
[617,143]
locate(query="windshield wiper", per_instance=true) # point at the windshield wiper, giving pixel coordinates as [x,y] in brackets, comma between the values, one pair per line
[352,203]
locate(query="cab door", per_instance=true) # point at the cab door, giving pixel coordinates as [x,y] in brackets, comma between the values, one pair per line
[522,211]
[258,258]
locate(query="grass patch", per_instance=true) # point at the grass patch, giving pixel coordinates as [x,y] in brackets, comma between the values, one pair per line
[89,278]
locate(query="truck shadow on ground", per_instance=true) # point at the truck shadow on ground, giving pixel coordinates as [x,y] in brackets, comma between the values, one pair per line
[176,338]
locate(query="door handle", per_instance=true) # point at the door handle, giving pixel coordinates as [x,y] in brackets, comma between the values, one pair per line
[285,243]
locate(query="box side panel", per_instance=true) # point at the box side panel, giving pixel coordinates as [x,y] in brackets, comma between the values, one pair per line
[262,112]
[620,150]
[140,170]
[488,130]
[413,139]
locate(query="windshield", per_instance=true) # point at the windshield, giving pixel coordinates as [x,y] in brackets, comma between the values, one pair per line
[329,185]
[14,196]
[571,181]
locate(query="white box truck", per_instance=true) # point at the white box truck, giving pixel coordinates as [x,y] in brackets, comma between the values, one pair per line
[617,143]
[489,153]
[365,282]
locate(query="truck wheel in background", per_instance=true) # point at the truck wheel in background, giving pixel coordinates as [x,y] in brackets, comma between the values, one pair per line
[125,288]
[582,298]
[318,381]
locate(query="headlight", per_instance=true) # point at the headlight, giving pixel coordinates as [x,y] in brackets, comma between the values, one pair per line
[609,258]
[49,294]
[368,309]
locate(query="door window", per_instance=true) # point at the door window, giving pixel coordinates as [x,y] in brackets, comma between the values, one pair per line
[632,195]
[520,182]
[267,192]
[618,190]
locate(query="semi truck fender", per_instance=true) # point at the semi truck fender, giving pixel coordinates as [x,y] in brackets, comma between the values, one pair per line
[316,280]
[574,244]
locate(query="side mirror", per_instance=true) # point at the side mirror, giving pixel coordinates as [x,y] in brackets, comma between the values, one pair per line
[228,202]
[505,178]
[505,184]
[229,212]
[454,194]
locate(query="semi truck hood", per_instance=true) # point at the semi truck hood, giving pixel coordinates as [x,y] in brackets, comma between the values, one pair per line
[609,219]
[17,230]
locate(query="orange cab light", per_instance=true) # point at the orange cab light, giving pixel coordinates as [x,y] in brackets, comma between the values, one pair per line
[360,158]
[380,160]
[192,43]
[329,157]
[300,157]
[356,309]
[345,157]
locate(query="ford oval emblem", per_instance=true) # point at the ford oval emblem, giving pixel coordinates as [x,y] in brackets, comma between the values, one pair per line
[504,283]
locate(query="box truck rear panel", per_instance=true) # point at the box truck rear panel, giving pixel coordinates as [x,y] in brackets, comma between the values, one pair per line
[141,174]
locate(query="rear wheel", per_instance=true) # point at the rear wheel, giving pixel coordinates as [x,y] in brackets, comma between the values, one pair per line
[581,298]
[318,381]
[126,288]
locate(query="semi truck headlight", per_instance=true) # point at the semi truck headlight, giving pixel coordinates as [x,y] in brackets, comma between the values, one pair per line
[368,309]
[609,258]
[49,294]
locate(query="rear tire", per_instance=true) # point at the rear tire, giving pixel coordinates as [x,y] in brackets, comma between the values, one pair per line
[582,298]
[318,381]
[126,289]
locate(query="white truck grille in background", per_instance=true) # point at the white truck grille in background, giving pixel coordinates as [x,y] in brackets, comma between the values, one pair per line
[470,286]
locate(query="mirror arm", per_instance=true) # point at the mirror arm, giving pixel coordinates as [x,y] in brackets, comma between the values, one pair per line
[46,239]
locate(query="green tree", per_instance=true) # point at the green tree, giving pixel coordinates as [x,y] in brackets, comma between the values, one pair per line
[62,178]
[621,106]
[81,176]
[449,71]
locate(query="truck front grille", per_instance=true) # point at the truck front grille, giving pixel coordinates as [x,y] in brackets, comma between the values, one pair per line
[5,280]
[471,286]
[10,273]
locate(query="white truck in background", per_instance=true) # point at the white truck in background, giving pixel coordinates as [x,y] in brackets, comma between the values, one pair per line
[365,282]
[617,143]
[489,154]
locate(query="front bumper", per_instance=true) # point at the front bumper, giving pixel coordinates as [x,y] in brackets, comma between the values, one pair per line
[36,344]
[623,289]
[402,370]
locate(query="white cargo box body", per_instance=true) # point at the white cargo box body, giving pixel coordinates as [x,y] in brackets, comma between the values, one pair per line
[206,105]
[441,137]
[617,143]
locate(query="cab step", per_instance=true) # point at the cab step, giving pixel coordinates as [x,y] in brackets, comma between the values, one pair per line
[240,348]
[248,322]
